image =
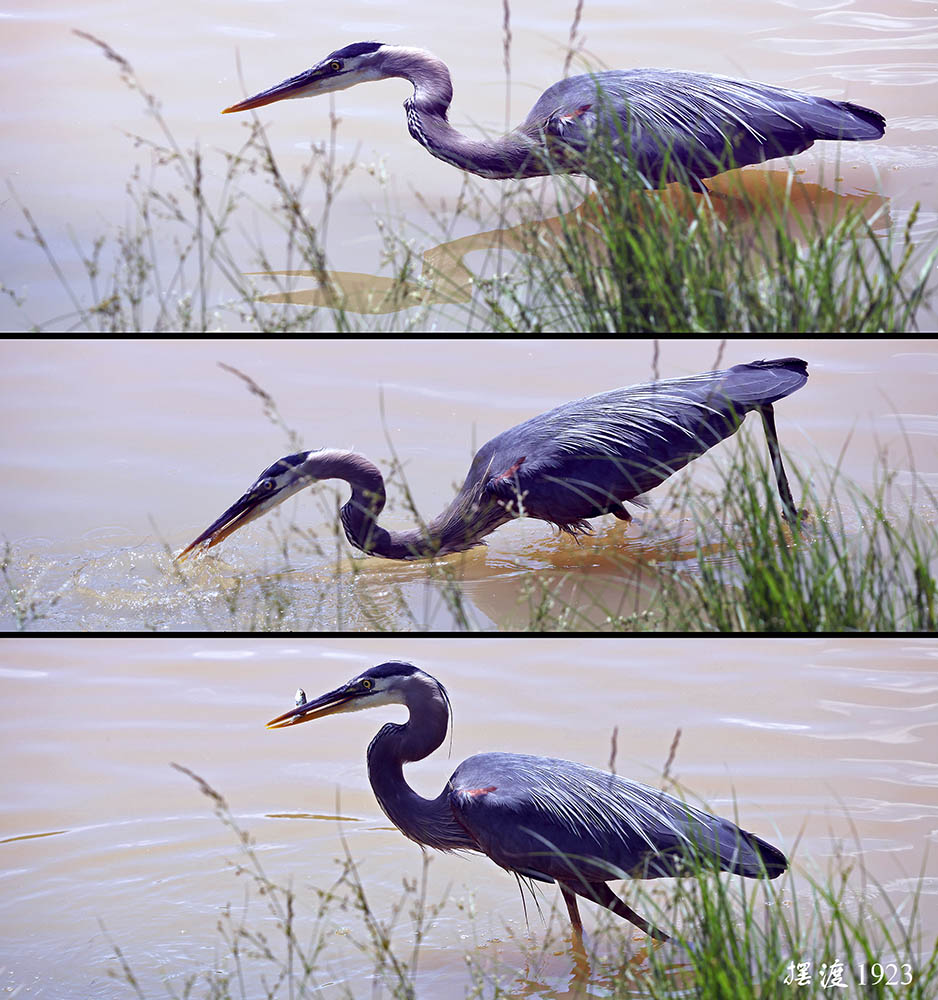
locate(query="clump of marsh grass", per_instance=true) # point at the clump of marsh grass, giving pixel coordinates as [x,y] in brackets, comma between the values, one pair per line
[285,953]
[812,934]
[757,253]
[856,562]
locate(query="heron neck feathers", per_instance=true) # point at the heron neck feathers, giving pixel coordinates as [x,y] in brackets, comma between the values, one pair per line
[433,85]
[462,525]
[426,821]
[501,158]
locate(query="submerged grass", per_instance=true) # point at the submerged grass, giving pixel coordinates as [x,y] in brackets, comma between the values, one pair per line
[615,256]
[801,935]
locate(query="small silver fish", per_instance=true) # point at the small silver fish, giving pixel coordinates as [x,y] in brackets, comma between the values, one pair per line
[299,698]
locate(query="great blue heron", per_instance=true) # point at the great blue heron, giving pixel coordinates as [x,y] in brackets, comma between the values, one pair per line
[667,124]
[539,818]
[575,462]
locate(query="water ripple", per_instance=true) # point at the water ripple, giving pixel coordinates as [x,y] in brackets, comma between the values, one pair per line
[908,74]
[892,812]
[913,423]
[762,724]
[927,886]
[876,21]
[828,46]
[898,771]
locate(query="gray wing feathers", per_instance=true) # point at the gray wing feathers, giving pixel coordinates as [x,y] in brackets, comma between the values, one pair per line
[546,817]
[697,118]
[582,459]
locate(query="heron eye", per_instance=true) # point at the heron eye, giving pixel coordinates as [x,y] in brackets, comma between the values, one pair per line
[267,484]
[367,684]
[335,65]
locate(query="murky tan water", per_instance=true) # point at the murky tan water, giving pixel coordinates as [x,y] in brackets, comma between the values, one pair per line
[818,745]
[112,450]
[69,159]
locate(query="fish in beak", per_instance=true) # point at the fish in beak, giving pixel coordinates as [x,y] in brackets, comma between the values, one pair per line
[347,698]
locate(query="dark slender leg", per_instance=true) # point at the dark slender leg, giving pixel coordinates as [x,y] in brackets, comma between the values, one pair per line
[600,893]
[621,513]
[788,505]
[569,897]
[581,966]
[603,895]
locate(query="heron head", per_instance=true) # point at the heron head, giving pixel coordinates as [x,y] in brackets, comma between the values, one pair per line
[391,683]
[340,70]
[288,475]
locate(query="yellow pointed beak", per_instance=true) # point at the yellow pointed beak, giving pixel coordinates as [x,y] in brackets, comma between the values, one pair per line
[328,704]
[306,84]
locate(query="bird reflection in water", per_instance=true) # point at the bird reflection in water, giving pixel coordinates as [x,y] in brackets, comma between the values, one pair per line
[752,200]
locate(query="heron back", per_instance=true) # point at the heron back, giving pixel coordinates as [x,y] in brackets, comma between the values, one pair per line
[554,819]
[584,458]
[677,125]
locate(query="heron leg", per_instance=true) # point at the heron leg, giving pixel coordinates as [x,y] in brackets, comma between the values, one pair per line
[621,513]
[771,436]
[600,893]
[581,966]
[576,924]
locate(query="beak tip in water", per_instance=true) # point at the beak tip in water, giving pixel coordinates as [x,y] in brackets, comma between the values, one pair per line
[198,545]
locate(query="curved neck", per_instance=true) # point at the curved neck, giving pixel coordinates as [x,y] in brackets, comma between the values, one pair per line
[511,155]
[457,528]
[426,821]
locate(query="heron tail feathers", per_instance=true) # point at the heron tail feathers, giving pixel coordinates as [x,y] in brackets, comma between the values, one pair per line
[843,120]
[769,861]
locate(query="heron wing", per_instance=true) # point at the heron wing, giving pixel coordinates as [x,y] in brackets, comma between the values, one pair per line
[556,819]
[585,457]
[674,123]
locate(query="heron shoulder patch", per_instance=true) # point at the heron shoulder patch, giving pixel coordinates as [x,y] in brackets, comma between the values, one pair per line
[476,792]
